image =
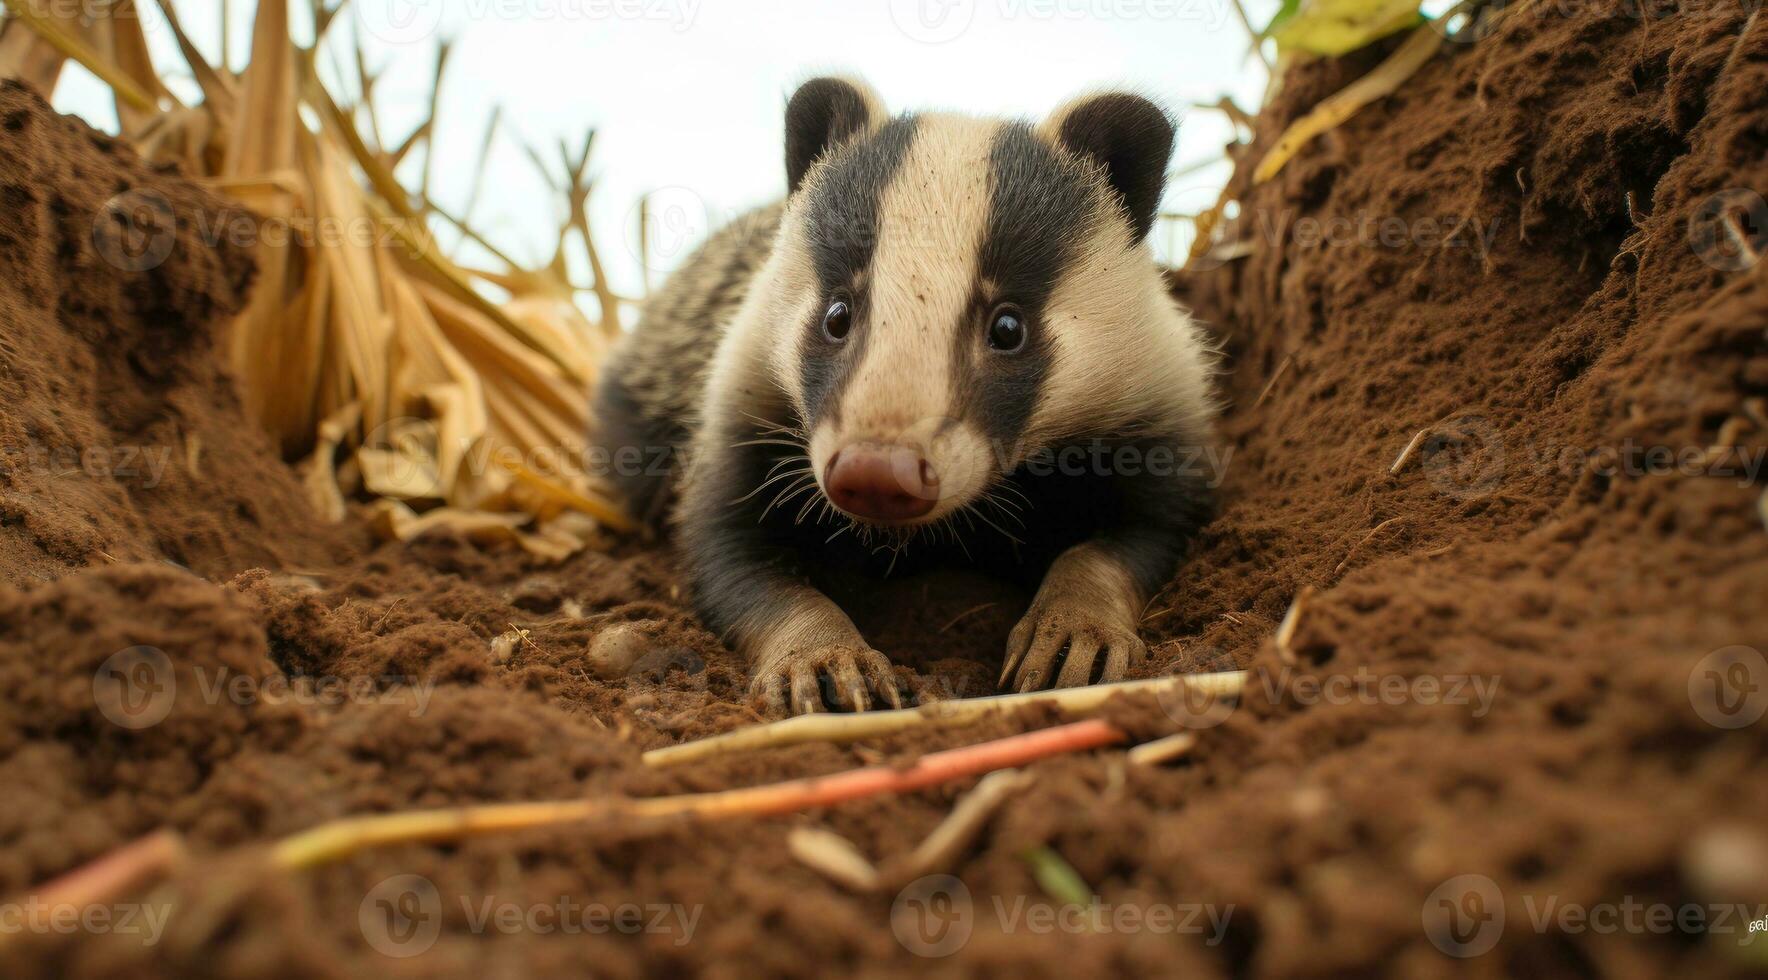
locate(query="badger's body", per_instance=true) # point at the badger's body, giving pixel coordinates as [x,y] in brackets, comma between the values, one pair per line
[950,344]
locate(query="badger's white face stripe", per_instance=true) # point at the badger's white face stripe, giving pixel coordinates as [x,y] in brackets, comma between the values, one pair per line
[932,219]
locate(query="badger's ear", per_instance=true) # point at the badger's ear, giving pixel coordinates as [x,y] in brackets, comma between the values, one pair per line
[822,113]
[1127,135]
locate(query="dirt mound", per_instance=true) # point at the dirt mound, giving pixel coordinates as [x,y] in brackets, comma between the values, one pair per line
[1497,353]
[122,437]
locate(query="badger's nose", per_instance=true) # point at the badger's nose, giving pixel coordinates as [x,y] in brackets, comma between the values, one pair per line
[882,483]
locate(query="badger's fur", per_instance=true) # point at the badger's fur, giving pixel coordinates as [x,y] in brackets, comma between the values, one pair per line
[962,310]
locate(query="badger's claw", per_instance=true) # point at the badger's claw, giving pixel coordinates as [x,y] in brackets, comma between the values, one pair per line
[801,682]
[1048,631]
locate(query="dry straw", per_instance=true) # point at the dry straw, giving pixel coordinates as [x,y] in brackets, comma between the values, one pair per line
[374,359]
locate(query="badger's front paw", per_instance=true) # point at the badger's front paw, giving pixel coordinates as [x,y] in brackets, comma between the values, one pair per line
[843,676]
[1074,636]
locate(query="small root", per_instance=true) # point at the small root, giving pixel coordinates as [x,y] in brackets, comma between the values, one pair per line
[1365,540]
[1276,375]
[960,617]
[1285,638]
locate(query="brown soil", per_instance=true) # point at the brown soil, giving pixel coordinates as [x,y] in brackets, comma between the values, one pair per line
[1528,544]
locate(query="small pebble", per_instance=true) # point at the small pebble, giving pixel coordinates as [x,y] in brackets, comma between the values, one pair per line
[614,650]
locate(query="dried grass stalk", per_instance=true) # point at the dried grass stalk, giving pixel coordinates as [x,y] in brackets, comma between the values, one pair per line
[1419,48]
[1073,702]
[380,356]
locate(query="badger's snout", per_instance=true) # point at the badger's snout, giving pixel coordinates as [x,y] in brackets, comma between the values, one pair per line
[882,482]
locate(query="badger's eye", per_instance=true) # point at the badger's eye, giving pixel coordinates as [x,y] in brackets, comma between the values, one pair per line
[837,320]
[1006,330]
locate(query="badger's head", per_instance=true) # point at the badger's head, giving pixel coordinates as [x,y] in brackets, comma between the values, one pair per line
[948,294]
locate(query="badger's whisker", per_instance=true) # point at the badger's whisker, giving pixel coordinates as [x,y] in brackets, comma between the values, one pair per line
[984,519]
[1007,512]
[808,504]
[775,468]
[969,522]
[786,494]
[801,460]
[895,553]
[1006,487]
[770,427]
[784,498]
[958,539]
[800,473]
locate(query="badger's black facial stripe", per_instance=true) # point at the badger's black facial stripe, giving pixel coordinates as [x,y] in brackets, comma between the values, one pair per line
[1039,211]
[842,225]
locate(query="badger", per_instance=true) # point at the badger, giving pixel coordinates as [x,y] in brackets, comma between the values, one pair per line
[949,344]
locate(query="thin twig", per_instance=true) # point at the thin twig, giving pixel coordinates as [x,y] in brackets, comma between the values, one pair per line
[484,160]
[1365,540]
[1737,46]
[1288,359]
[1256,36]
[1163,750]
[1406,453]
[1285,638]
[837,857]
[1333,110]
[429,126]
[842,729]
[342,838]
[108,878]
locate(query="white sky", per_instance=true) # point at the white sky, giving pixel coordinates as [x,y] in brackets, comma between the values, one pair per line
[686,96]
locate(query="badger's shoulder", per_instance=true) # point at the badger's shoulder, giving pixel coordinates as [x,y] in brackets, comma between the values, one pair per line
[648,397]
